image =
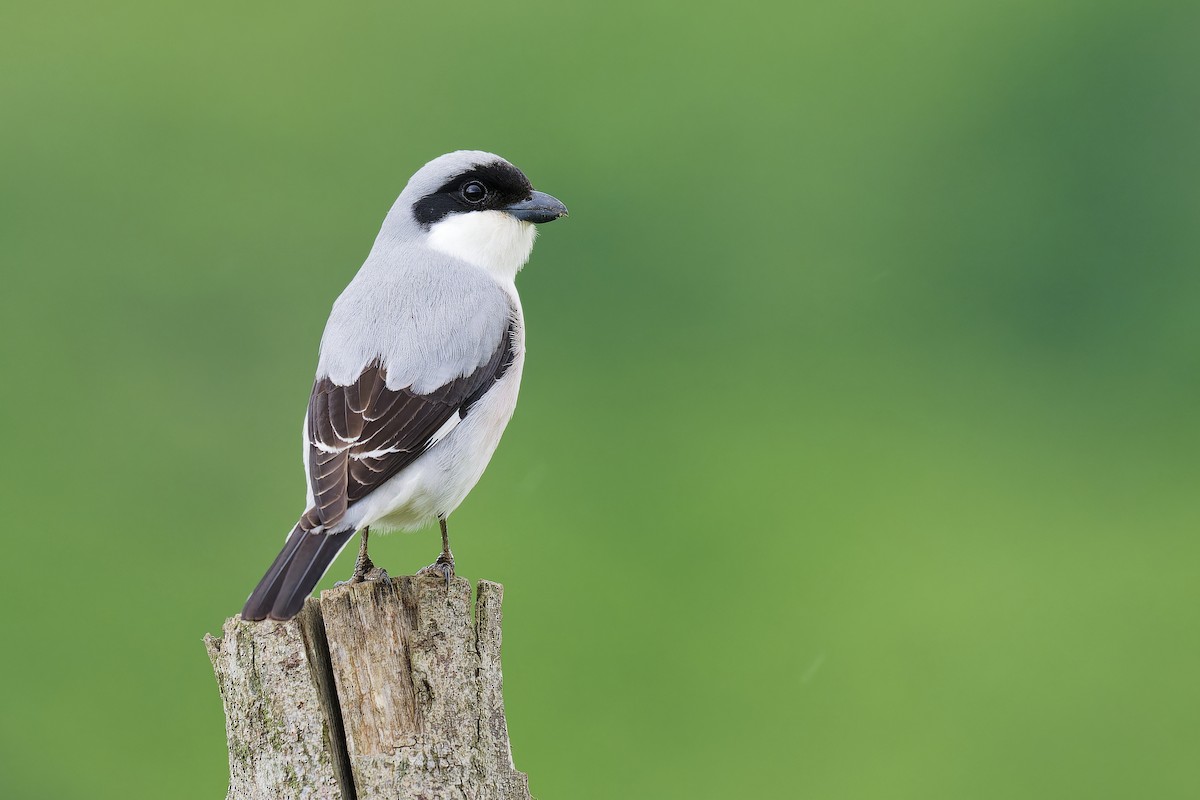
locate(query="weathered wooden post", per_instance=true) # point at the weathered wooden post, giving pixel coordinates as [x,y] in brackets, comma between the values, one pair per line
[376,690]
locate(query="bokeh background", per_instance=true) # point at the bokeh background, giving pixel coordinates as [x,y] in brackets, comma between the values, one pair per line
[857,454]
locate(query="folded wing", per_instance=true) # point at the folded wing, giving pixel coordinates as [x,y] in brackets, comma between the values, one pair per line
[363,434]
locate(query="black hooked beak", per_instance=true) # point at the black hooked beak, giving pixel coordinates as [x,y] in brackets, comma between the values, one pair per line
[541,207]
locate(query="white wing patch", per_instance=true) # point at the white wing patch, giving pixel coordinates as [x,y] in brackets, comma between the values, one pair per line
[447,426]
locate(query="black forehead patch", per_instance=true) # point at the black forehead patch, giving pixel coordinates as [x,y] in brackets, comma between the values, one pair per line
[505,185]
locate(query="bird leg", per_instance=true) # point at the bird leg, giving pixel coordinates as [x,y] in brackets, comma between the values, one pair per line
[364,568]
[444,566]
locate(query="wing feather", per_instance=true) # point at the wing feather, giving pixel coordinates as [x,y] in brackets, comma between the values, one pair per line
[363,434]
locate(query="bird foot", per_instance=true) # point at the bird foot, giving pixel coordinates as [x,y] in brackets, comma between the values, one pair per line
[442,568]
[373,575]
[365,571]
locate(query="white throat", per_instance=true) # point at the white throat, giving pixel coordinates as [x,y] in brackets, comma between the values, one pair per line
[493,240]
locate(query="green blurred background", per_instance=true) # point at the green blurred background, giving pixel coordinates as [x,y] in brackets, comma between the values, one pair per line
[857,448]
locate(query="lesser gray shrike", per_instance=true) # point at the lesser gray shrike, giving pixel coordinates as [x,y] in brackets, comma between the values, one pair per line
[418,372]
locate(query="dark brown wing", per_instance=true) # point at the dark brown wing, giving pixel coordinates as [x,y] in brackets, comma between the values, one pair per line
[361,435]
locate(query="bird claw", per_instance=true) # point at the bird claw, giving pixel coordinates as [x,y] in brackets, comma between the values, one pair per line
[375,575]
[372,574]
[442,568]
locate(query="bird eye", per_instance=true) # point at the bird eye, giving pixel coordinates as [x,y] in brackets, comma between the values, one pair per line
[474,192]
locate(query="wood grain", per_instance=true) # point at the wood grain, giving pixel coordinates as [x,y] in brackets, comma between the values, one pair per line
[377,690]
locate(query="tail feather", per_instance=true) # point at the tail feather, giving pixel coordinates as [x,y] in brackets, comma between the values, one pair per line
[312,559]
[261,599]
[291,577]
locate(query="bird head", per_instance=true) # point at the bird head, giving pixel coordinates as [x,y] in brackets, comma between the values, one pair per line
[480,208]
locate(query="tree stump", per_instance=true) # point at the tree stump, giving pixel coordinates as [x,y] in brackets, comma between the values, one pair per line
[376,690]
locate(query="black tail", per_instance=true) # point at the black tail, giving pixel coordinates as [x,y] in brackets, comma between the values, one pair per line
[296,570]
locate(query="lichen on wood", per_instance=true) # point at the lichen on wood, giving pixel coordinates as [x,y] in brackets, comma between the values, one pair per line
[377,690]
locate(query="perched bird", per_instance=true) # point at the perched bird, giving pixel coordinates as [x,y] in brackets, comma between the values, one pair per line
[418,372]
